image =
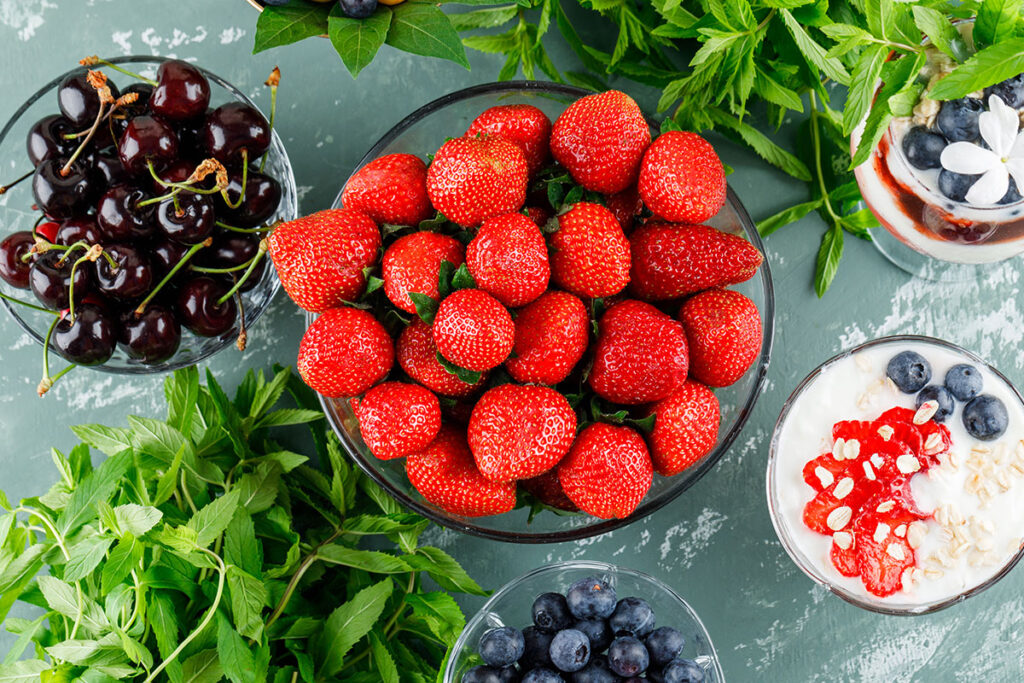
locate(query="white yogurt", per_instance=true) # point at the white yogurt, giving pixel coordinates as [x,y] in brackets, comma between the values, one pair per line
[988,526]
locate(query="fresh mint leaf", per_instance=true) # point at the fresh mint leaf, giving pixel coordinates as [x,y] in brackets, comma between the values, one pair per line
[813,52]
[268,394]
[236,659]
[86,555]
[202,667]
[288,416]
[490,17]
[348,624]
[258,489]
[387,672]
[288,24]
[829,254]
[168,480]
[136,519]
[445,570]
[940,31]
[772,91]
[997,20]
[423,29]
[863,84]
[240,545]
[181,390]
[358,40]
[440,613]
[126,556]
[157,438]
[98,486]
[368,560]
[24,671]
[786,216]
[164,621]
[211,521]
[107,440]
[248,598]
[992,65]
[762,144]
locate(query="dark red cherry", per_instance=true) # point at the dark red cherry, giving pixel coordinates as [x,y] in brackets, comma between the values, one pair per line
[45,139]
[131,279]
[49,278]
[48,231]
[229,249]
[89,338]
[140,105]
[190,222]
[152,337]
[147,139]
[119,216]
[78,229]
[182,91]
[60,196]
[109,168]
[165,254]
[232,127]
[190,136]
[262,197]
[198,310]
[79,101]
[176,172]
[13,270]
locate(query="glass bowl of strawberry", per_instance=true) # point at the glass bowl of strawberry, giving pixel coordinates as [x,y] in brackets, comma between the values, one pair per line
[622,623]
[515,348]
[147,184]
[894,475]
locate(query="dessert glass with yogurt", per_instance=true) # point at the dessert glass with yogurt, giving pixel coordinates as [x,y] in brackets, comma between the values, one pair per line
[945,187]
[900,502]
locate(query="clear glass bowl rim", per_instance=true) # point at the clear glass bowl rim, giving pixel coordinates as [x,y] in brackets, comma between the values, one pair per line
[270,279]
[647,507]
[590,565]
[794,553]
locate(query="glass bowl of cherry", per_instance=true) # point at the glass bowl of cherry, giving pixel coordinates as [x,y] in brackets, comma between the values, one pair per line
[133,225]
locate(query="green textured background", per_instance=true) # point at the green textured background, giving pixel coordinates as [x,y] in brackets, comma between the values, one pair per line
[715,544]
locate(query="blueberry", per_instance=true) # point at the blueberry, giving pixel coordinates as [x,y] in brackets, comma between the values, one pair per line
[502,646]
[508,674]
[939,394]
[591,597]
[275,3]
[358,9]
[627,656]
[596,671]
[551,612]
[664,644]
[923,147]
[678,671]
[597,632]
[543,675]
[958,119]
[964,381]
[1010,91]
[1012,193]
[632,616]
[481,674]
[955,185]
[910,371]
[985,417]
[536,646]
[570,650]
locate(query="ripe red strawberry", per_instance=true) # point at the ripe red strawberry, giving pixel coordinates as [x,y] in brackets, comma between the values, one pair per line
[473,179]
[845,559]
[670,260]
[473,330]
[444,473]
[882,556]
[539,215]
[397,419]
[551,337]
[412,264]
[591,254]
[547,489]
[601,139]
[681,178]
[390,189]
[417,354]
[523,124]
[607,471]
[508,259]
[320,258]
[625,206]
[640,354]
[685,428]
[345,352]
[519,432]
[723,330]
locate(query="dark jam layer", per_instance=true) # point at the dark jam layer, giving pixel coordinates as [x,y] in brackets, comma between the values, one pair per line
[935,221]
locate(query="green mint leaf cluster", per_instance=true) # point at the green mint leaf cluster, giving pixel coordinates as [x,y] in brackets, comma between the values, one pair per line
[203,548]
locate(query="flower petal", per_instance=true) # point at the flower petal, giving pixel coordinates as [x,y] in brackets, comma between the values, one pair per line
[1018,146]
[1016,169]
[969,158]
[999,126]
[989,188]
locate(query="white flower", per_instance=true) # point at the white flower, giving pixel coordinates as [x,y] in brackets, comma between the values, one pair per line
[1005,157]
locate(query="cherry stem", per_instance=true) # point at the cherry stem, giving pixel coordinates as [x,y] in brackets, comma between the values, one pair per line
[243,335]
[248,231]
[26,304]
[85,141]
[47,381]
[255,261]
[273,113]
[91,255]
[171,273]
[156,200]
[5,188]
[217,271]
[80,244]
[177,187]
[245,181]
[126,72]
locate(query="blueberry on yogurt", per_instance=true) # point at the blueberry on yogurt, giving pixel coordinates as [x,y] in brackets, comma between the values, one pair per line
[964,381]
[955,185]
[958,119]
[910,371]
[923,148]
[939,394]
[985,417]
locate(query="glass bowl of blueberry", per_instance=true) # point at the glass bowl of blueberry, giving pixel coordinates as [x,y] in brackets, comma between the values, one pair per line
[586,622]
[133,224]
